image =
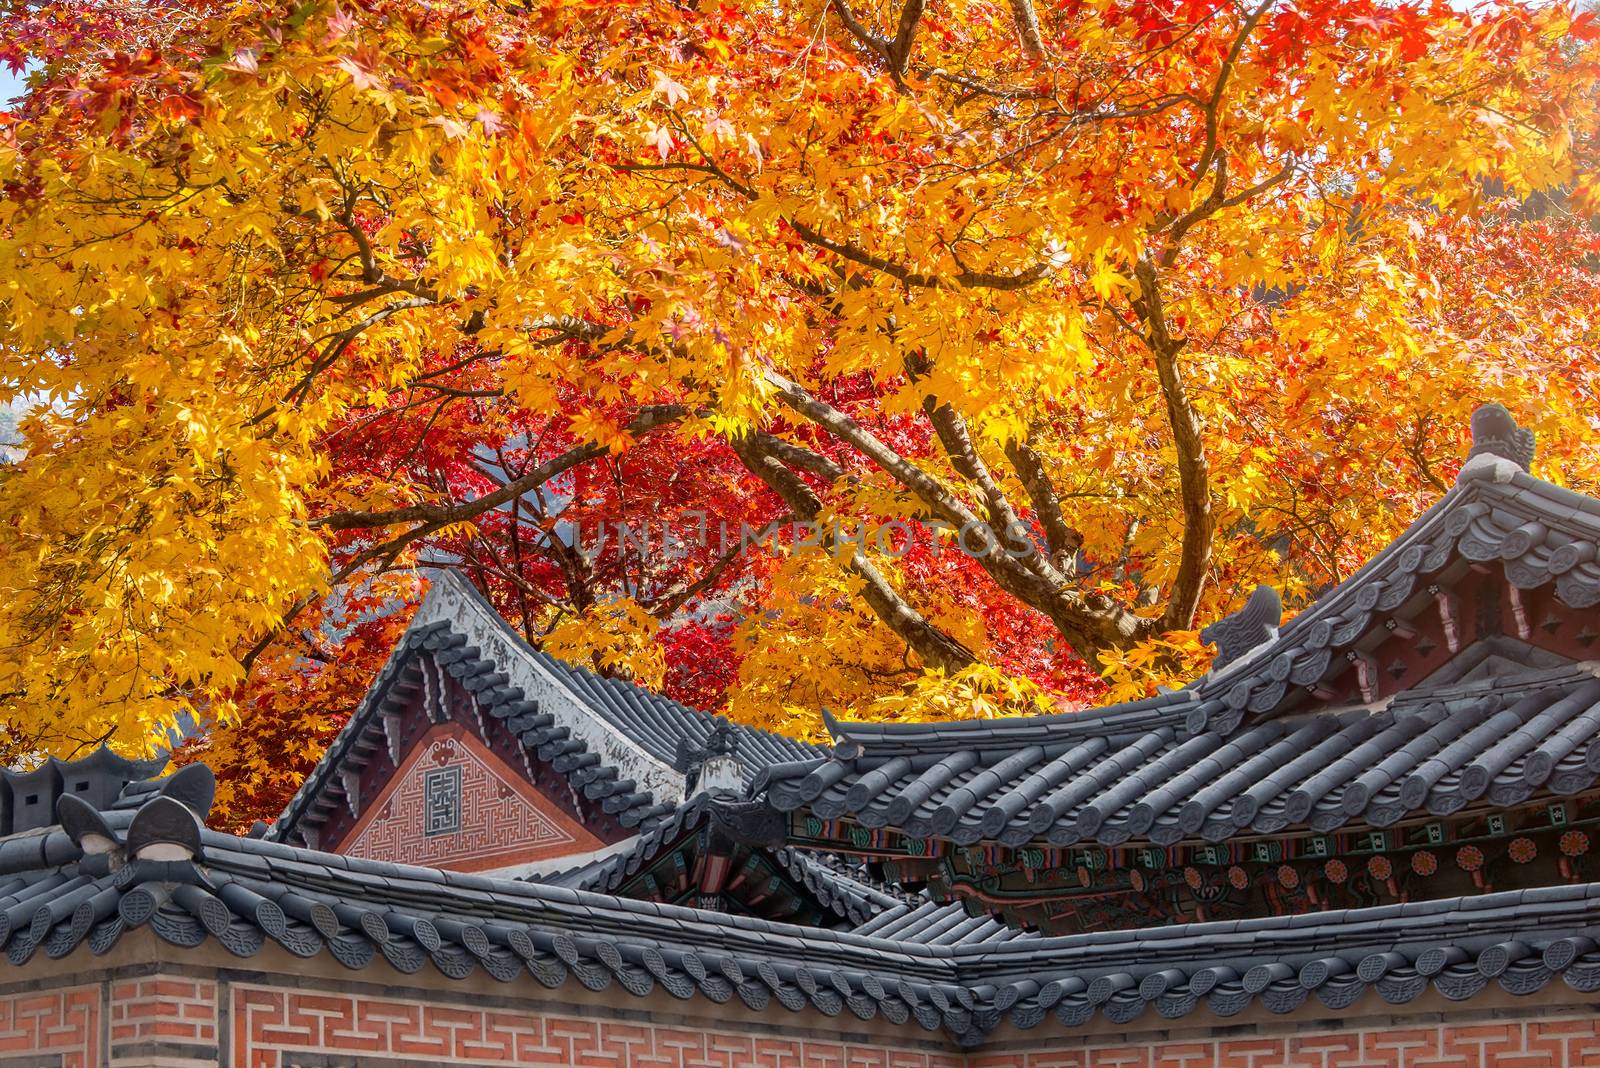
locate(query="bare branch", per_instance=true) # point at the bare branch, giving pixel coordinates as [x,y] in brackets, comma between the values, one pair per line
[1213,107]
[681,593]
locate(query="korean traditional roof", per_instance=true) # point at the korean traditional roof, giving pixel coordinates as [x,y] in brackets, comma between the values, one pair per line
[930,923]
[615,743]
[847,895]
[28,798]
[1495,741]
[1246,749]
[96,878]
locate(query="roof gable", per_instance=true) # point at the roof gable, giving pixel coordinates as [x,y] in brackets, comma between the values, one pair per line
[613,747]
[1452,677]
[1501,552]
[454,804]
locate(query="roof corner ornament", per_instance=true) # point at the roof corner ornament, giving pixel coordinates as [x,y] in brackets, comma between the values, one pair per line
[193,785]
[85,826]
[1498,443]
[844,746]
[1251,626]
[713,765]
[165,829]
[751,823]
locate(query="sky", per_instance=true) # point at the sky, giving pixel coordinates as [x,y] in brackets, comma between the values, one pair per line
[10,85]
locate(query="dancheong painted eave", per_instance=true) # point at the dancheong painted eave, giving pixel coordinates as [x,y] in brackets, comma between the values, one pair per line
[1451,674]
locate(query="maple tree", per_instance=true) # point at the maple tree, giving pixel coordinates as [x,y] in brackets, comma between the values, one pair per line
[1064,324]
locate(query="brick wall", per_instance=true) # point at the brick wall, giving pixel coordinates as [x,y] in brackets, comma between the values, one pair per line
[174,1022]
[173,1015]
[1542,1043]
[454,804]
[273,1028]
[48,1024]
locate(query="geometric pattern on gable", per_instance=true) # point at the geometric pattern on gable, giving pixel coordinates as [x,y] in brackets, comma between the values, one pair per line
[456,805]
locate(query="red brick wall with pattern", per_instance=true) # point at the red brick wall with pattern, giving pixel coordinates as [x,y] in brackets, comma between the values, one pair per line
[165,1010]
[497,819]
[271,1026]
[65,1023]
[1543,1043]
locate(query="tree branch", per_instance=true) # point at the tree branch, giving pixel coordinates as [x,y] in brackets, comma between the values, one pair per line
[934,646]
[905,35]
[681,593]
[1063,541]
[1088,622]
[648,419]
[953,434]
[1194,476]
[1028,28]
[1213,107]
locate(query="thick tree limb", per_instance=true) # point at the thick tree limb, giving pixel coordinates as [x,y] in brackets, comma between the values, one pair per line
[800,458]
[953,434]
[935,494]
[1088,622]
[905,35]
[1194,475]
[934,646]
[1028,28]
[1063,541]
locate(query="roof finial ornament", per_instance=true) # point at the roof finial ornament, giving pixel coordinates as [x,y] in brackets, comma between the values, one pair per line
[1250,626]
[844,746]
[1495,434]
[85,826]
[193,784]
[712,766]
[165,829]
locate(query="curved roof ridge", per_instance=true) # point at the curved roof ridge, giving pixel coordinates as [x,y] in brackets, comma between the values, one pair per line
[884,739]
[943,973]
[515,682]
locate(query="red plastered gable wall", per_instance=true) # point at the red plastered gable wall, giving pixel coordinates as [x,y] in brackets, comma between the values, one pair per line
[502,820]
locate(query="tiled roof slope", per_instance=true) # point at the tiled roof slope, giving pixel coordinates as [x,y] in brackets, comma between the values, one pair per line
[1194,764]
[839,891]
[929,923]
[616,743]
[1539,533]
[61,889]
[1497,740]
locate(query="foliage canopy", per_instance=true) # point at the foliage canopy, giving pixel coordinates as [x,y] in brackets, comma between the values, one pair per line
[1197,293]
